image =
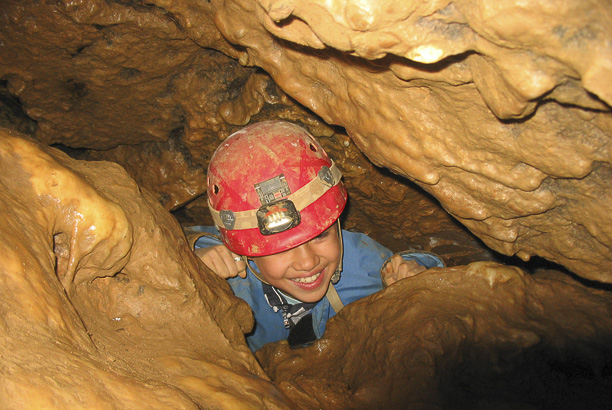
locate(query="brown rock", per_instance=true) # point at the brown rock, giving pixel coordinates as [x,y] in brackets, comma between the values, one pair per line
[478,336]
[104,304]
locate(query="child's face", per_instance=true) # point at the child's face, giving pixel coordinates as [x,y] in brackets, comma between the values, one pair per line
[304,272]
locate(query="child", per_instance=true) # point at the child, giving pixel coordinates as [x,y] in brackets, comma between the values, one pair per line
[275,197]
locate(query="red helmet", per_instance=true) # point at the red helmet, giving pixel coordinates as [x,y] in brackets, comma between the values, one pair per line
[272,187]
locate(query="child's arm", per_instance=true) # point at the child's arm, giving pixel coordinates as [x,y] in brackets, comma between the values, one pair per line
[222,261]
[399,268]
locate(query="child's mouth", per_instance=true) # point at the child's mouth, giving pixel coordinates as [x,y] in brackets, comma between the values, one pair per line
[309,279]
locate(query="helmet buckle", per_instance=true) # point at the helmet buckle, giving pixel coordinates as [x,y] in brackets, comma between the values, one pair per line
[228,218]
[325,175]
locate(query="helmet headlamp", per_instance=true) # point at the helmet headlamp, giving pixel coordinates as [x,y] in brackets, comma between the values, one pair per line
[277,216]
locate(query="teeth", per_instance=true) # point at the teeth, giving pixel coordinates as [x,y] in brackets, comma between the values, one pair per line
[309,279]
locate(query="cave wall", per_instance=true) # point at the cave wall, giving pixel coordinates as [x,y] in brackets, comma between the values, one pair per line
[501,112]
[482,336]
[104,304]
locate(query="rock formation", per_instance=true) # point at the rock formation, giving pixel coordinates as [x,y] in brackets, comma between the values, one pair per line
[103,303]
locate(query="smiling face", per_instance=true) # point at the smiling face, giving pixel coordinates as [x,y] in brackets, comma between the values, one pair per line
[305,271]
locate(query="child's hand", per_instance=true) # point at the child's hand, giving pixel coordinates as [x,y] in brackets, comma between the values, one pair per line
[222,261]
[399,268]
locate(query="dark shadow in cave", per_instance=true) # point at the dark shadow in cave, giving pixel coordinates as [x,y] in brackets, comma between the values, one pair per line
[576,376]
[12,114]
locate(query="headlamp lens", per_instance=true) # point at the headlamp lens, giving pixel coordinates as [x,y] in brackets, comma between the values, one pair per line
[277,217]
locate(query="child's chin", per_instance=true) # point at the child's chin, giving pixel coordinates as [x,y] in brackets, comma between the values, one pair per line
[312,296]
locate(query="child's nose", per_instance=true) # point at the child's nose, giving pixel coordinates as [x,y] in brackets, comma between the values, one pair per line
[305,258]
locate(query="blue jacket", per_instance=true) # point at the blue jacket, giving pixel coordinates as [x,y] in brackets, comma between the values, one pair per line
[363,258]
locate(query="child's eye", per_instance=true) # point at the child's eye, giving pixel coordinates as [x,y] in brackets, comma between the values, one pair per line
[322,235]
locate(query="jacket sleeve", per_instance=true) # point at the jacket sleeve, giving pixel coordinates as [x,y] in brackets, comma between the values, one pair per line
[209,236]
[362,260]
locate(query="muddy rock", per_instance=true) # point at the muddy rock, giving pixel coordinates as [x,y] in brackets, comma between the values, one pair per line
[104,304]
[483,335]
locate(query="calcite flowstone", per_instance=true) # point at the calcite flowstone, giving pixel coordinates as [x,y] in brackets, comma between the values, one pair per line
[478,336]
[500,110]
[103,302]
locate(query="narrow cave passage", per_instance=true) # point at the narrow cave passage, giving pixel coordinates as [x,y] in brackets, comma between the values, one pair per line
[478,131]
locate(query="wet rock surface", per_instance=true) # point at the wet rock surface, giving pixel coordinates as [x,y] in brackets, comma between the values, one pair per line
[103,302]
[483,335]
[500,112]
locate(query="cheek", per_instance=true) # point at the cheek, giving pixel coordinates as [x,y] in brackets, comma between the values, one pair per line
[330,253]
[333,255]
[271,268]
[337,250]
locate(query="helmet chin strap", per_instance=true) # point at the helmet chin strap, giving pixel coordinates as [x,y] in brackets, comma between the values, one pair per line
[334,278]
[248,266]
[332,294]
